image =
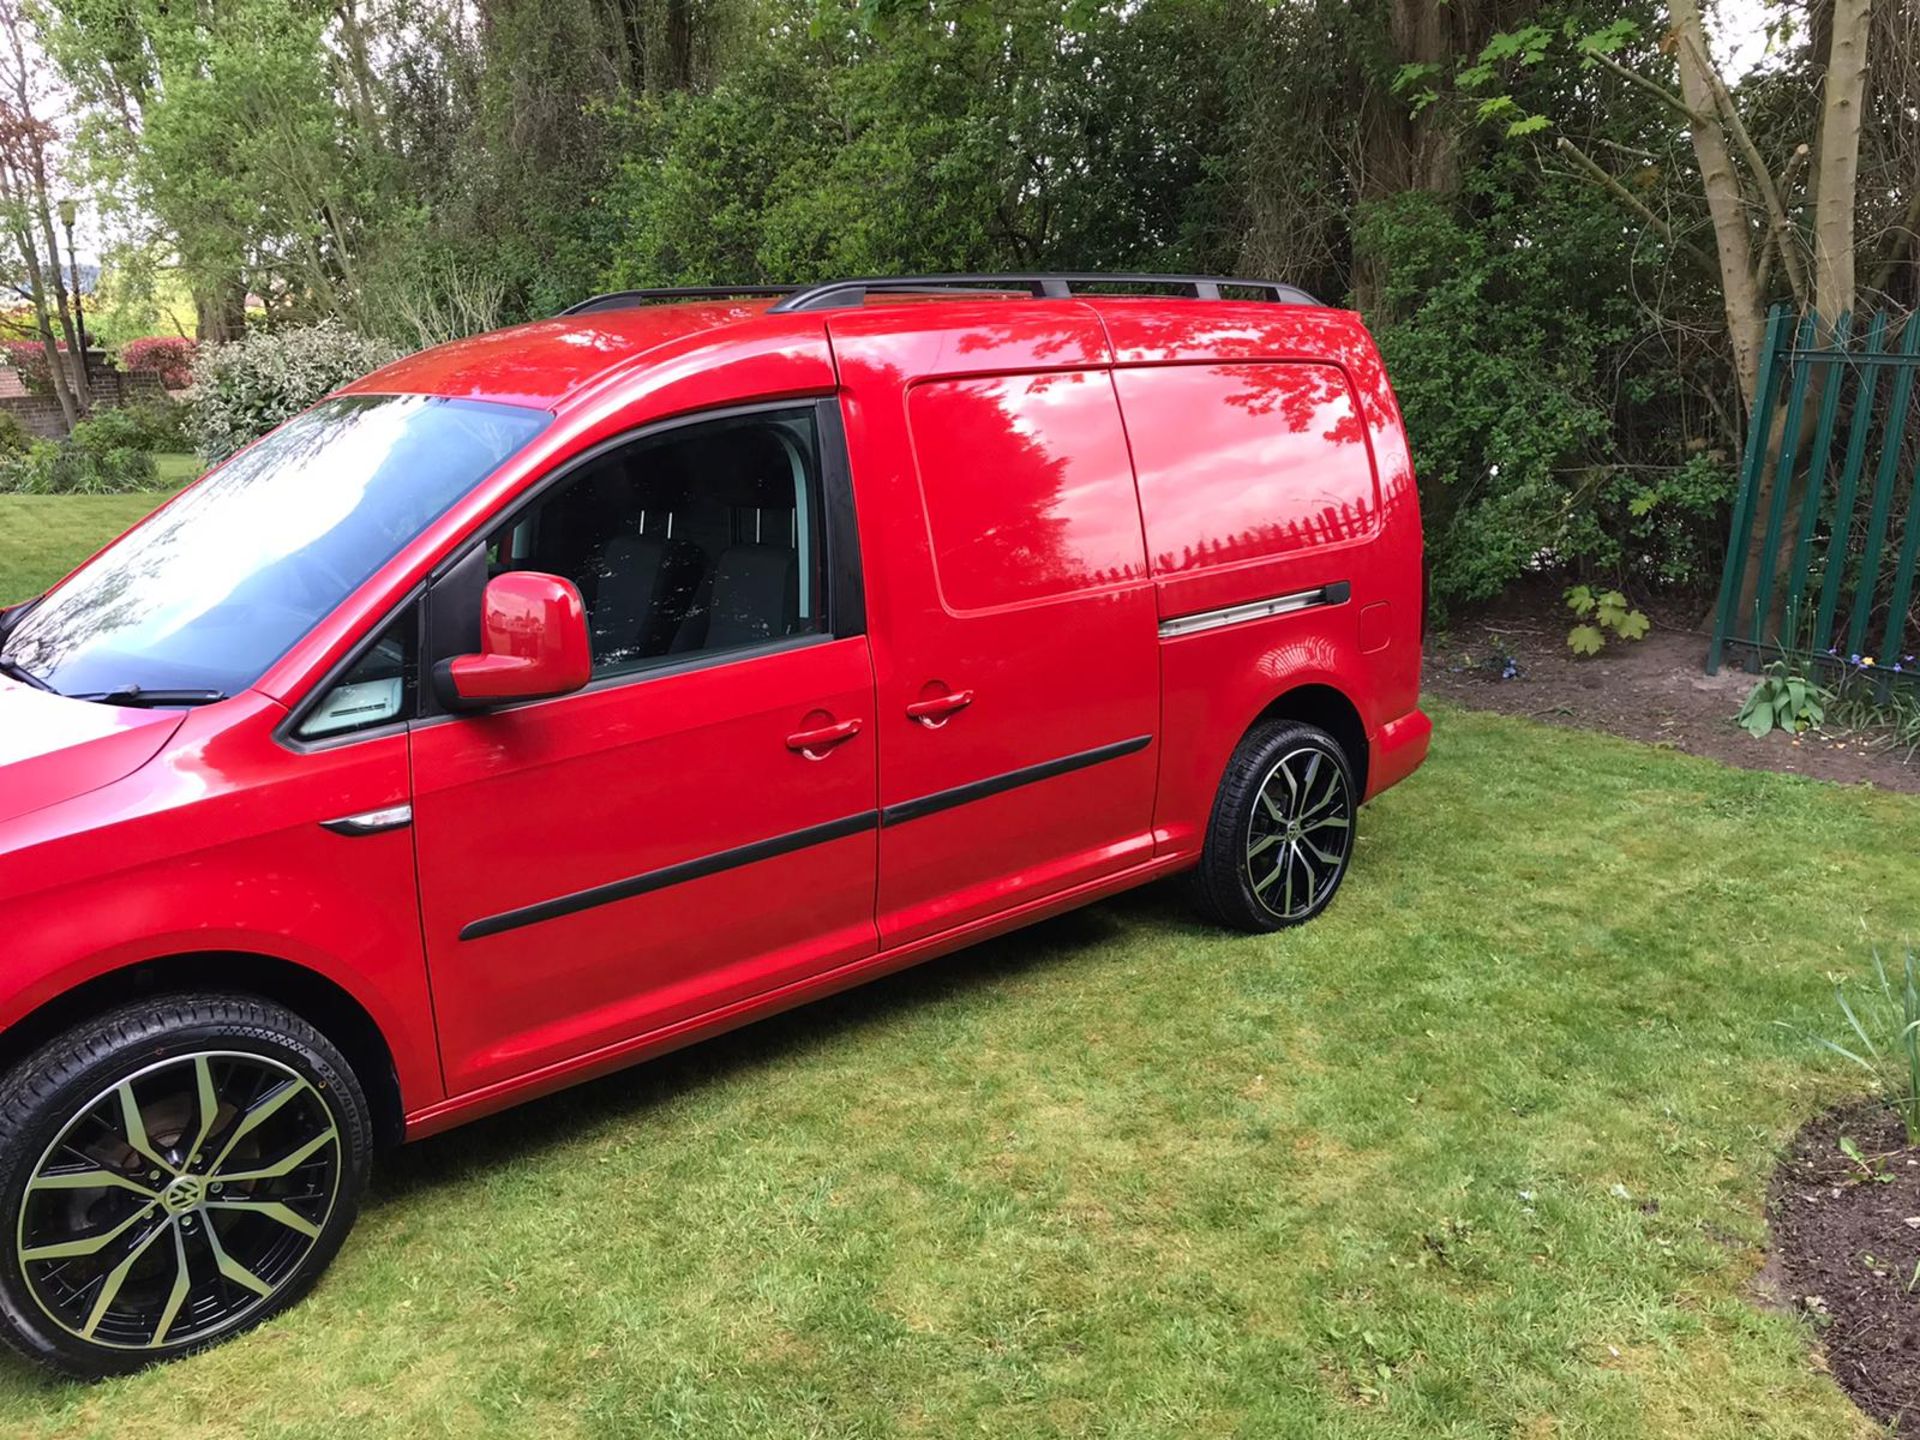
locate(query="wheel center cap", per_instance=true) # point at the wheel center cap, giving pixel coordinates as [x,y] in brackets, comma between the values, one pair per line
[184,1193]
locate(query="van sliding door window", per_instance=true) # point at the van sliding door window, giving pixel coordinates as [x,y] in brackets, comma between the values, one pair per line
[701,539]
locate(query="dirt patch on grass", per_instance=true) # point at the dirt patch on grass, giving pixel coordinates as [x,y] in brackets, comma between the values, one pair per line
[1653,690]
[1848,1241]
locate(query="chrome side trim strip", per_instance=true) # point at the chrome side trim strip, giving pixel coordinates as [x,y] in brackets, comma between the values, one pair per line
[1335,593]
[371,822]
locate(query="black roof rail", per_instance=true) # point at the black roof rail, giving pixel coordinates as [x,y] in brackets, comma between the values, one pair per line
[621,299]
[836,294]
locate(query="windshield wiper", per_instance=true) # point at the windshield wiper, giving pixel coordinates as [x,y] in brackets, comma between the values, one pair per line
[138,695]
[21,673]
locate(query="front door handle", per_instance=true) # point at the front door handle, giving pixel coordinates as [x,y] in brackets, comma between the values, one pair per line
[934,713]
[815,743]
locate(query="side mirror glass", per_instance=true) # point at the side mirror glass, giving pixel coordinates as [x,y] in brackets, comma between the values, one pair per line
[533,645]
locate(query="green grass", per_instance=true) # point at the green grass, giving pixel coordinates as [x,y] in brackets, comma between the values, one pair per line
[173,471]
[42,537]
[1482,1151]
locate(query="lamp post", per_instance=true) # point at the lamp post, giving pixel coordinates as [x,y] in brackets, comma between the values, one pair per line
[69,212]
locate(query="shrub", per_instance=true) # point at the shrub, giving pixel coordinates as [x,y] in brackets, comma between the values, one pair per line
[159,425]
[168,356]
[15,438]
[248,387]
[28,359]
[106,454]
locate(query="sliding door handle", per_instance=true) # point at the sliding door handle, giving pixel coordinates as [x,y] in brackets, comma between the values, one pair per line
[935,712]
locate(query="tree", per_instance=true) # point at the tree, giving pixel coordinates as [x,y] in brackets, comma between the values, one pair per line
[1784,225]
[27,143]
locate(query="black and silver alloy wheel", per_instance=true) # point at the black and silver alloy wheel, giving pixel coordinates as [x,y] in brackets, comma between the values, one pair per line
[175,1172]
[1299,833]
[178,1200]
[1281,832]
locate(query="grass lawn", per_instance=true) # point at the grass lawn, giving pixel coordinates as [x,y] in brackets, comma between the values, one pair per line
[1480,1152]
[42,537]
[175,470]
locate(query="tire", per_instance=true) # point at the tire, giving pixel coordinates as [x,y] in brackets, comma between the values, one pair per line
[1289,793]
[118,1186]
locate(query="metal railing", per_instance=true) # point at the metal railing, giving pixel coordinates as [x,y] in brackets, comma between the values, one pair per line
[1825,539]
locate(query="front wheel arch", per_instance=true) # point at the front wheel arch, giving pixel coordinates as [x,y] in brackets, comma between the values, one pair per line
[319,1001]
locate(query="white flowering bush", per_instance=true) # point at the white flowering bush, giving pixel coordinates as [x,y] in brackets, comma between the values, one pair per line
[249,386]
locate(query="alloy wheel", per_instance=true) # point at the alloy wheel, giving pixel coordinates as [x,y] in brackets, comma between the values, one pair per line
[1300,834]
[179,1200]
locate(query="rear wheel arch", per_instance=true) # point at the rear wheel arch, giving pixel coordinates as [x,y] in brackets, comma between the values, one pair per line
[1329,709]
[321,1002]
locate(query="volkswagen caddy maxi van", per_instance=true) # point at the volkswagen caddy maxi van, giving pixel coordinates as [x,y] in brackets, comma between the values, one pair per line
[561,696]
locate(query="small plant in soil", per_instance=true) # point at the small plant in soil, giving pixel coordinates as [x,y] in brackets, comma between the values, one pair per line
[1498,663]
[1783,701]
[1885,1040]
[1870,1169]
[1882,701]
[1601,614]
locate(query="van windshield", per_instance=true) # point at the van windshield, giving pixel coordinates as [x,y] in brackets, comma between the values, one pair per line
[198,601]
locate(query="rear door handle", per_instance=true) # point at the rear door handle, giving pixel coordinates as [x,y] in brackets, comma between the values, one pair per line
[933,713]
[816,742]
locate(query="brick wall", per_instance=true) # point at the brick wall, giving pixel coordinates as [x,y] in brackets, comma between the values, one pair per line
[41,413]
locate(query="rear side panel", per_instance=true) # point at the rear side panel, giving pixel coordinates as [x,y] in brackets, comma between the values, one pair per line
[1272,467]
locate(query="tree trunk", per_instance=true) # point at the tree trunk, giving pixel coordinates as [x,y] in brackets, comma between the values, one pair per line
[1834,184]
[1733,239]
[82,388]
[1837,163]
[220,313]
[30,256]
[1401,150]
[679,29]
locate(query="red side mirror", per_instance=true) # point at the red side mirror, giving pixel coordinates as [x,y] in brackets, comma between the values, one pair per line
[533,644]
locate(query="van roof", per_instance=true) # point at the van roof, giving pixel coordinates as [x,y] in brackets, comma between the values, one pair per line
[542,363]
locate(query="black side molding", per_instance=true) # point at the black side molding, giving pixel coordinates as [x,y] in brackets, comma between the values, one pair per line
[795,840]
[979,789]
[669,875]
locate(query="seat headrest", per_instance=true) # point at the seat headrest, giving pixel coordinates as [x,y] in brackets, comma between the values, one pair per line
[748,467]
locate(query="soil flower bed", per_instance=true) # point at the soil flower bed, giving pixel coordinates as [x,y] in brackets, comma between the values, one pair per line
[1845,1210]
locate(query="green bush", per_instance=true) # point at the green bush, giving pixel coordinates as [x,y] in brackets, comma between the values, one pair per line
[157,425]
[105,455]
[15,438]
[1539,448]
[248,387]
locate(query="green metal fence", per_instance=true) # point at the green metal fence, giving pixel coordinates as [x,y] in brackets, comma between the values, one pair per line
[1826,525]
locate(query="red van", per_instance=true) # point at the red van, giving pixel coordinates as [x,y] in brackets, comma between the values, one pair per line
[558,697]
